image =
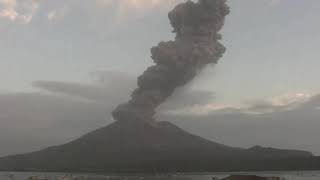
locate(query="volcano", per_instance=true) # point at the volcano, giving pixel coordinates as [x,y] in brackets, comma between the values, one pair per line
[137,143]
[136,146]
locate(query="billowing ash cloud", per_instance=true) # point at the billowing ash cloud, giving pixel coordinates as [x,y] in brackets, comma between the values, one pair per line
[177,62]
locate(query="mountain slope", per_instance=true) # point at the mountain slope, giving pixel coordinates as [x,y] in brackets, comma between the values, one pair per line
[136,147]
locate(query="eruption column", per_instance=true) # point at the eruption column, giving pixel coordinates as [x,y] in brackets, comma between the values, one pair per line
[177,62]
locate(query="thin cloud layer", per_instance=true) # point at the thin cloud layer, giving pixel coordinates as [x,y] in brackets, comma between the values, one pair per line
[20,11]
[23,11]
[106,92]
[143,5]
[294,129]
[285,102]
[63,111]
[125,8]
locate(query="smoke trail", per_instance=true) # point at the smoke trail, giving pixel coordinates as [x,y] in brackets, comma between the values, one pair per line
[177,62]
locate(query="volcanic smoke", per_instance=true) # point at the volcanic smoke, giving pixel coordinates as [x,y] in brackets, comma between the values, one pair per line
[177,62]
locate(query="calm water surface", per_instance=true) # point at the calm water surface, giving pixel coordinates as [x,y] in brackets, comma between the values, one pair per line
[303,175]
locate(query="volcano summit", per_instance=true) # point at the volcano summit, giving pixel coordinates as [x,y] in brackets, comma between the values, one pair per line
[128,146]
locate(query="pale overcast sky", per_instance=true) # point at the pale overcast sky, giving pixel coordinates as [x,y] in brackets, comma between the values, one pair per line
[272,44]
[271,63]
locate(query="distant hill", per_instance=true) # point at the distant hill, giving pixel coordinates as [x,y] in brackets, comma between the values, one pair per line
[133,146]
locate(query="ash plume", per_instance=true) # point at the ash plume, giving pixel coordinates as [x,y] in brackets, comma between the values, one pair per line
[177,62]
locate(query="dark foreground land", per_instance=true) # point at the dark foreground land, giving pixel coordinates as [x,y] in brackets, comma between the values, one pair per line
[136,147]
[168,177]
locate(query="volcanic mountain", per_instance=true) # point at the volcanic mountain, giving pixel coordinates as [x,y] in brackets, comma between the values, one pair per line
[135,146]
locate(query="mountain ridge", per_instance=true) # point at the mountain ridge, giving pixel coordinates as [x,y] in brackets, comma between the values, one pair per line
[136,146]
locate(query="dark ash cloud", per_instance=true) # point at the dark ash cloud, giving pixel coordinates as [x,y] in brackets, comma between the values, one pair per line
[177,62]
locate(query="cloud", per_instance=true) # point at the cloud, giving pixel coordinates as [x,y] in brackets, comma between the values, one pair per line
[126,6]
[62,111]
[294,129]
[20,11]
[8,10]
[126,9]
[137,4]
[106,91]
[23,11]
[56,15]
[284,102]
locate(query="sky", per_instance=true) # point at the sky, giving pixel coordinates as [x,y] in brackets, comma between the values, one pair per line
[59,61]
[272,44]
